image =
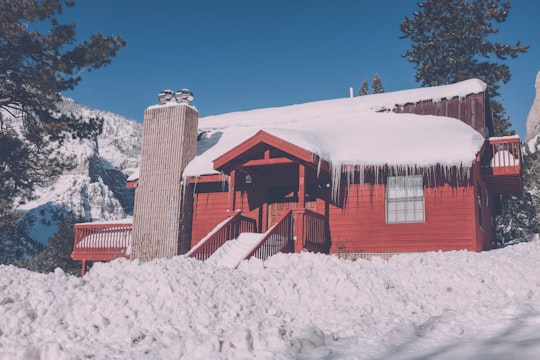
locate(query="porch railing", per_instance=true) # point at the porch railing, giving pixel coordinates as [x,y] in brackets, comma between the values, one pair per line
[311,229]
[500,165]
[227,230]
[102,241]
[279,238]
[501,156]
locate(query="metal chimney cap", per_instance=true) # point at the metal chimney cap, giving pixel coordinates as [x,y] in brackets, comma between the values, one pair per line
[165,96]
[184,96]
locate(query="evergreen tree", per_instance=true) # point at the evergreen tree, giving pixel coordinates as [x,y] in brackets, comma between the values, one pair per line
[15,243]
[35,67]
[363,88]
[450,43]
[58,254]
[376,85]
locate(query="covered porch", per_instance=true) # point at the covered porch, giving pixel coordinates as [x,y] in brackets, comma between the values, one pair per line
[270,180]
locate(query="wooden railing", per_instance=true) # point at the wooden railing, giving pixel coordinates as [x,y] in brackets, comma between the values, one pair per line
[501,155]
[311,229]
[279,238]
[105,240]
[101,242]
[227,230]
[500,165]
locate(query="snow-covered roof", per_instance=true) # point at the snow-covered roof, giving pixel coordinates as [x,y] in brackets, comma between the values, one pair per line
[352,131]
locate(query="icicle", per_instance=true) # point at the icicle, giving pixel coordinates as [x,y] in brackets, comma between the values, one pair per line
[350,176]
[224,179]
[336,180]
[362,178]
[319,161]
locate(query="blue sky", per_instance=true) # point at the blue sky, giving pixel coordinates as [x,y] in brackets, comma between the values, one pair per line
[245,54]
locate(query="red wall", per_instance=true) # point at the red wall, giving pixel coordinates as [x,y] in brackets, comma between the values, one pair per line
[361,225]
[211,208]
[485,233]
[471,110]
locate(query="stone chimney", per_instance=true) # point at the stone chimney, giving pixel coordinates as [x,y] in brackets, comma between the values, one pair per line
[533,120]
[169,144]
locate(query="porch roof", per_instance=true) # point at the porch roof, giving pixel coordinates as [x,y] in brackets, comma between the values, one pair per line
[351,131]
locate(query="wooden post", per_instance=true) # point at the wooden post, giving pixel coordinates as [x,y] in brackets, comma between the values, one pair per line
[301,186]
[232,190]
[83,269]
[300,216]
[264,222]
[299,224]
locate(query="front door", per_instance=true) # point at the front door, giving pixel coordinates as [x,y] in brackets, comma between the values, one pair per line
[283,199]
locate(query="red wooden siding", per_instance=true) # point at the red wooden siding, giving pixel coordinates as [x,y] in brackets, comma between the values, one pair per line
[471,110]
[485,233]
[209,209]
[360,227]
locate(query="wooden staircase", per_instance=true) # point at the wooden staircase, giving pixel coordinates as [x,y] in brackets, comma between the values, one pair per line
[296,230]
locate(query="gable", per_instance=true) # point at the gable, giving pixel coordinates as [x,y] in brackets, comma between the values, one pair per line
[265,149]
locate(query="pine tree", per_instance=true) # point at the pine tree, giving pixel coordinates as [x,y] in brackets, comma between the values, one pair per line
[450,43]
[376,85]
[58,253]
[15,243]
[35,67]
[363,88]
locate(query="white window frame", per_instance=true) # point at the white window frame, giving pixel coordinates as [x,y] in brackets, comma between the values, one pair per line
[405,199]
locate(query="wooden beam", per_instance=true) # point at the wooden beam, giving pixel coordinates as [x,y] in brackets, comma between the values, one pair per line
[264,225]
[232,191]
[207,179]
[270,161]
[302,186]
[224,160]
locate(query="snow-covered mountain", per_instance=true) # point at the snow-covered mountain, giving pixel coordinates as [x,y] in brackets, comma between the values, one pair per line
[95,188]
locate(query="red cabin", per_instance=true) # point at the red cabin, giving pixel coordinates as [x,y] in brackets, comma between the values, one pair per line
[409,171]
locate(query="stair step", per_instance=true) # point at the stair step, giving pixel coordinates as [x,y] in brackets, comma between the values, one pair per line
[234,251]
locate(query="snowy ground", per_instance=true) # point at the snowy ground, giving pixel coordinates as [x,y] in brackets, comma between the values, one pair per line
[455,305]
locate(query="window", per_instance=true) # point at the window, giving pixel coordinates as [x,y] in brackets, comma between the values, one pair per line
[404,199]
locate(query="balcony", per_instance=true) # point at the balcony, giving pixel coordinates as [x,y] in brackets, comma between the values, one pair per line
[500,165]
[103,241]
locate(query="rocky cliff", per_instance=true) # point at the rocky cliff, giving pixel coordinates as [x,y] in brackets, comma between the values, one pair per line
[95,190]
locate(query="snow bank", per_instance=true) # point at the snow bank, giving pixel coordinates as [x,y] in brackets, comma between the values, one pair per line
[296,306]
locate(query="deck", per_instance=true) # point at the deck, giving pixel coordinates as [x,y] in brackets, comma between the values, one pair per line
[102,241]
[500,165]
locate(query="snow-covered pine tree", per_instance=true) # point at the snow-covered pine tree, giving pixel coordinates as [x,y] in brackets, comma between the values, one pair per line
[376,85]
[363,88]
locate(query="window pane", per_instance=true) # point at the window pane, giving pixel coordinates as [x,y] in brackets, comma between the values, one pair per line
[405,199]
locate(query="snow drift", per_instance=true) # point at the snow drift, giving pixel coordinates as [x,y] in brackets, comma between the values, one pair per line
[293,306]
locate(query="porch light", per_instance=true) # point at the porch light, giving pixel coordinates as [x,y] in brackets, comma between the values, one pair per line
[248,179]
